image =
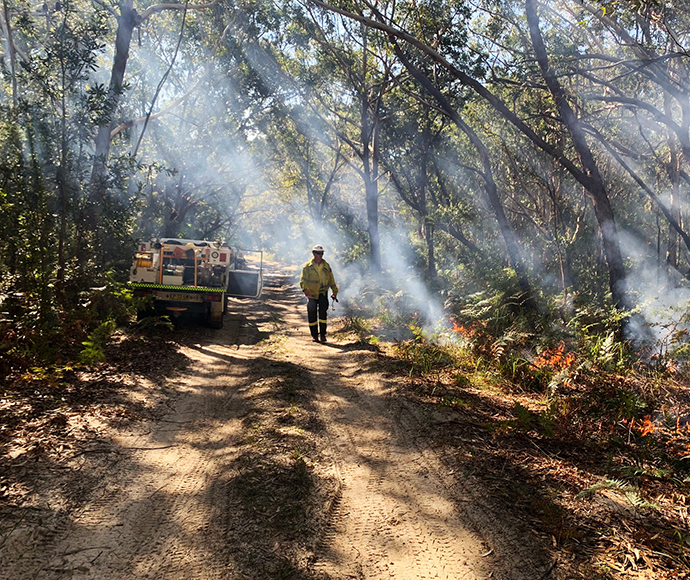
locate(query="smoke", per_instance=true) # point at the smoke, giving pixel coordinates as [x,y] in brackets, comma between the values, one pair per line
[661,293]
[398,296]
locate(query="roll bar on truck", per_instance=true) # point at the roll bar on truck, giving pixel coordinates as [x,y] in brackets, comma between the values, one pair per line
[195,276]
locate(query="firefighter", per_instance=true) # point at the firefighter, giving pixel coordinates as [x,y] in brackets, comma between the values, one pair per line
[317,278]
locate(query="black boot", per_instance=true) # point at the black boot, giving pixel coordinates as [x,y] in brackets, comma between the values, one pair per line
[322,328]
[314,333]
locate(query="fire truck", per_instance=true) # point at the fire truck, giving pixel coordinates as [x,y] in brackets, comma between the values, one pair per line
[194,276]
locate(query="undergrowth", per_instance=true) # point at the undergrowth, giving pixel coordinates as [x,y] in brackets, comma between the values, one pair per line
[592,388]
[73,335]
[576,394]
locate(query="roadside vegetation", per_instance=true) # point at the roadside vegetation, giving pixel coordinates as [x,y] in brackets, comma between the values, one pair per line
[568,426]
[502,190]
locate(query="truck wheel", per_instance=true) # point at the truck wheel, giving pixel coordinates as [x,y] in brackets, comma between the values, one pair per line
[217,324]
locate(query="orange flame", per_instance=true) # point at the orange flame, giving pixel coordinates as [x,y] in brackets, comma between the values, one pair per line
[556,358]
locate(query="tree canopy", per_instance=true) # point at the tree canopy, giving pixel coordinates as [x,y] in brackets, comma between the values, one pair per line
[542,146]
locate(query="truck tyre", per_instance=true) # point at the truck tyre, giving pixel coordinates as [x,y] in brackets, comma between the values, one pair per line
[217,324]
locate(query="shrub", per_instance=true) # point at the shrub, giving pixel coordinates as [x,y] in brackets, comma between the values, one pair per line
[93,347]
[423,355]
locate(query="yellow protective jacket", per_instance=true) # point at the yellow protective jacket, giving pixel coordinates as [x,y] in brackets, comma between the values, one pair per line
[317,280]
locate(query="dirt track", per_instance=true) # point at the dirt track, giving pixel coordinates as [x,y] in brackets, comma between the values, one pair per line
[277,458]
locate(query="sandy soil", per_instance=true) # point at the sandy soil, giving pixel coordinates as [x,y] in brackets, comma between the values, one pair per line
[274,457]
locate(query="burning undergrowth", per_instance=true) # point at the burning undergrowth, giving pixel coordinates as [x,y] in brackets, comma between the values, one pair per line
[566,424]
[569,430]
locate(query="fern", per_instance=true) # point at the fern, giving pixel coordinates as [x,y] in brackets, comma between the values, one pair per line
[630,493]
[155,323]
[616,484]
[93,351]
[636,500]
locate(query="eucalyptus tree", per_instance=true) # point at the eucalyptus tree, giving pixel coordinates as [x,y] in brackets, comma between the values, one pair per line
[634,65]
[614,69]
[128,19]
[310,165]
[410,132]
[302,125]
[190,119]
[583,170]
[416,68]
[413,124]
[360,80]
[328,84]
[588,171]
[73,42]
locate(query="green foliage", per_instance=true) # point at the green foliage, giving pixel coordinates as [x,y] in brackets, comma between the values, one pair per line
[606,352]
[598,331]
[390,312]
[663,441]
[632,495]
[602,402]
[49,258]
[113,300]
[683,540]
[527,420]
[359,326]
[496,329]
[671,344]
[500,308]
[608,484]
[155,324]
[425,356]
[93,351]
[522,373]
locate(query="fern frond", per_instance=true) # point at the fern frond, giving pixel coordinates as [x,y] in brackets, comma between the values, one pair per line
[638,502]
[616,484]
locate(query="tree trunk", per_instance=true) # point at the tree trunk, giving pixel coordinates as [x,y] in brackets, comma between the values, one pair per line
[454,232]
[179,206]
[422,185]
[673,246]
[99,175]
[430,256]
[595,183]
[372,201]
[10,49]
[62,176]
[370,143]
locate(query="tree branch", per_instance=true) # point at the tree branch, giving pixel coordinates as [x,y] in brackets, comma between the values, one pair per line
[170,6]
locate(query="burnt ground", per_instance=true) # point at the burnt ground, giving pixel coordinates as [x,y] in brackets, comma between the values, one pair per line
[251,452]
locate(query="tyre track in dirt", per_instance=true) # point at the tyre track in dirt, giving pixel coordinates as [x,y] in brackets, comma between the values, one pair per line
[401,510]
[385,502]
[514,551]
[161,513]
[391,518]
